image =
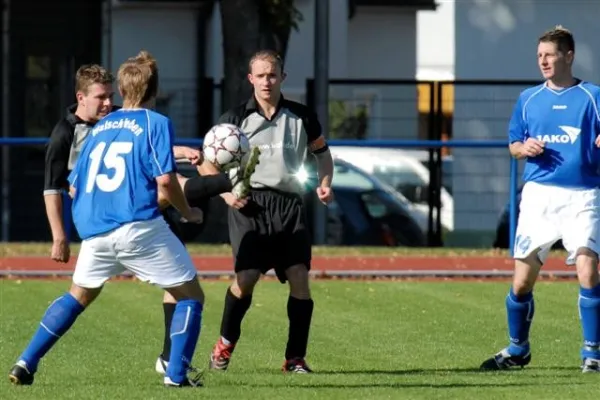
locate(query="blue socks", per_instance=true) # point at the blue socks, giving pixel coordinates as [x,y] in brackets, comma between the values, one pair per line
[185,330]
[589,313]
[520,311]
[56,322]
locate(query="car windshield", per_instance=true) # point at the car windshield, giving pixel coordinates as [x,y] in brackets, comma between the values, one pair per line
[345,176]
[398,175]
[348,176]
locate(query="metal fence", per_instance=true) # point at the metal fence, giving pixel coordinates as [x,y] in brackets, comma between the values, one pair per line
[24,218]
[365,111]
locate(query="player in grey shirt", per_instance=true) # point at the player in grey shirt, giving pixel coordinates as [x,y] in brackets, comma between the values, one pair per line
[268,228]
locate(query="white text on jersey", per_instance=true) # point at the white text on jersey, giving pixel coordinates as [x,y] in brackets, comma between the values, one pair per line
[570,136]
[123,123]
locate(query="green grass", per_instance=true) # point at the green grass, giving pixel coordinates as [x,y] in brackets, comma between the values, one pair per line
[43,249]
[369,340]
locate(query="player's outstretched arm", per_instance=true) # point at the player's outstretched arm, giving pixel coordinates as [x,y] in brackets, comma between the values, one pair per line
[194,156]
[170,191]
[163,168]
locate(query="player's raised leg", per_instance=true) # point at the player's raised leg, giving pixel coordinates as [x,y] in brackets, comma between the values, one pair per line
[95,265]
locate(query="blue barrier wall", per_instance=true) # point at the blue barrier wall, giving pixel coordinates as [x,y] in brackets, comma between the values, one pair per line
[401,144]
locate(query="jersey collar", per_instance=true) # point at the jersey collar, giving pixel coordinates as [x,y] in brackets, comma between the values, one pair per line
[252,106]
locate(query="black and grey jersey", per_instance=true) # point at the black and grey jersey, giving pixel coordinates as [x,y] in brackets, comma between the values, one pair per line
[62,150]
[283,141]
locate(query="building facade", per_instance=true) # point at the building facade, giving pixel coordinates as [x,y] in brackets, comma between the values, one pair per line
[44,43]
[498,41]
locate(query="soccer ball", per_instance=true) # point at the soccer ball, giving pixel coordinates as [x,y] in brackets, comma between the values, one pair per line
[225,145]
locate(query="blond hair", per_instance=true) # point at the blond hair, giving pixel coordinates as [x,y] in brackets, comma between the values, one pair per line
[266,55]
[138,78]
[89,74]
[561,37]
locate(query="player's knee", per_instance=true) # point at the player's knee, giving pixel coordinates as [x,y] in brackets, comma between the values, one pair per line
[244,283]
[190,290]
[84,296]
[526,273]
[168,298]
[298,279]
[586,262]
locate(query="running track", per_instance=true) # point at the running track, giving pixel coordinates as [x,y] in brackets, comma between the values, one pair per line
[327,267]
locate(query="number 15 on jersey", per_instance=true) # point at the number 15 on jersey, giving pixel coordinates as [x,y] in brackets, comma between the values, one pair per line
[113,160]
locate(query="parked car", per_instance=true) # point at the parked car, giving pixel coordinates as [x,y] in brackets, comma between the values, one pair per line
[401,170]
[365,212]
[502,238]
[369,212]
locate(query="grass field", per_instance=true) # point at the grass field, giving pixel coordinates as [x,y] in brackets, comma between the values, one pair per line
[370,340]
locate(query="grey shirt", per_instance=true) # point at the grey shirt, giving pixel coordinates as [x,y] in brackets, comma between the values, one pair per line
[283,141]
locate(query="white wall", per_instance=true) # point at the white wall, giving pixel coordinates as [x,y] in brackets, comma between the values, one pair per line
[382,45]
[170,35]
[377,43]
[497,40]
[436,42]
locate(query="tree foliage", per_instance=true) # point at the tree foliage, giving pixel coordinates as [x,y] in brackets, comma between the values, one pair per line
[249,26]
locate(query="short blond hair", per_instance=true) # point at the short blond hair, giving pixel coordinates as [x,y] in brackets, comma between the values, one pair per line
[561,36]
[89,74]
[266,55]
[138,78]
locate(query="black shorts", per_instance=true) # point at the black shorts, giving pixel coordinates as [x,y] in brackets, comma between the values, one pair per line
[270,233]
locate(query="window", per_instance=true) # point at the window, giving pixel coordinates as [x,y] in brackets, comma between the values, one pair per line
[377,209]
[346,176]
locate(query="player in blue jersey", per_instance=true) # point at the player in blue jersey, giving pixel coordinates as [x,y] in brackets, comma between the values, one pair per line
[124,164]
[555,128]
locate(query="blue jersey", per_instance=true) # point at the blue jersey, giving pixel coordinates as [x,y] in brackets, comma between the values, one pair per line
[568,122]
[115,175]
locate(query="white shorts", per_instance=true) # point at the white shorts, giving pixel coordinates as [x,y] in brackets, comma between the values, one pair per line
[148,249]
[549,213]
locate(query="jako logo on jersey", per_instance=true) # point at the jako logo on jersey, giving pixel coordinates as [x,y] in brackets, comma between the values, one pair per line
[570,136]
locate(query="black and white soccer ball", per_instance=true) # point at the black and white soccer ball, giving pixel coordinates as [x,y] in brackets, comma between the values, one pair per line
[225,145]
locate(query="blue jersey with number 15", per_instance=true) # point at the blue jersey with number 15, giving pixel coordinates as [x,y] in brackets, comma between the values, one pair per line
[115,175]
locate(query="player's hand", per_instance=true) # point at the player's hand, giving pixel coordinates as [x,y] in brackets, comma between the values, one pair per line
[325,194]
[597,141]
[60,251]
[194,156]
[533,147]
[233,201]
[194,216]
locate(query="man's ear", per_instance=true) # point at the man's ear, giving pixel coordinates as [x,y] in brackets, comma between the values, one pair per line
[79,96]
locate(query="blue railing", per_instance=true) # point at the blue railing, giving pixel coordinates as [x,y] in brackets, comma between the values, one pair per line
[414,144]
